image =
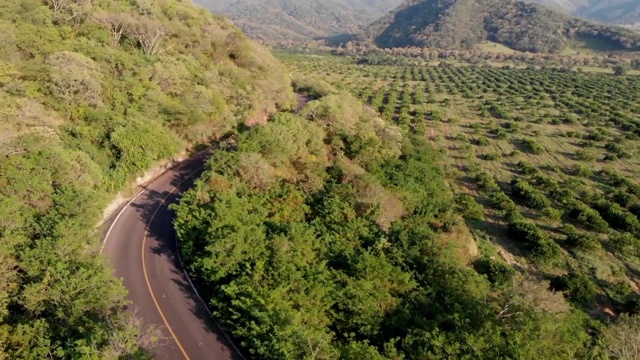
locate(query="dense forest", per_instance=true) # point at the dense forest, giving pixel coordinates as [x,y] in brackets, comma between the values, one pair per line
[284,21]
[329,234]
[92,94]
[463,24]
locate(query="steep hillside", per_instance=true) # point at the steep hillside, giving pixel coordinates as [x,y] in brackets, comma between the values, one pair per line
[92,94]
[463,24]
[277,21]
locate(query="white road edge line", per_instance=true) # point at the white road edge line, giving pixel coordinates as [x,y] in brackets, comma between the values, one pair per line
[113,224]
[184,269]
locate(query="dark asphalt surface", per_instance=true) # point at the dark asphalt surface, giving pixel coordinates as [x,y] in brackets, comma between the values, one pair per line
[163,297]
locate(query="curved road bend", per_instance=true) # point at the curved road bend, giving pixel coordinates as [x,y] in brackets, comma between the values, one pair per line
[141,247]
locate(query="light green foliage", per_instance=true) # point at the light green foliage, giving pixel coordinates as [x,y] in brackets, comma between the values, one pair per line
[87,104]
[75,79]
[301,272]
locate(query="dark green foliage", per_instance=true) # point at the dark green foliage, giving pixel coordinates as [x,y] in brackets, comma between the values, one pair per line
[618,217]
[577,288]
[530,196]
[620,70]
[581,241]
[527,169]
[586,216]
[486,182]
[469,208]
[501,201]
[497,272]
[625,244]
[534,240]
[632,306]
[532,146]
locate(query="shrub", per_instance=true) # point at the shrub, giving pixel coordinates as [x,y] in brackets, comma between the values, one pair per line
[492,156]
[483,141]
[486,182]
[632,306]
[532,146]
[469,208]
[531,197]
[581,241]
[461,138]
[586,155]
[578,288]
[527,169]
[534,240]
[501,201]
[497,272]
[582,170]
[551,213]
[625,244]
[618,217]
[587,216]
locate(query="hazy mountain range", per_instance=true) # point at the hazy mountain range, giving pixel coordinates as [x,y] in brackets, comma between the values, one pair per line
[286,21]
[276,21]
[609,11]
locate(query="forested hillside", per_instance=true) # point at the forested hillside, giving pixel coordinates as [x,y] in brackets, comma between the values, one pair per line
[328,235]
[283,21]
[463,24]
[92,94]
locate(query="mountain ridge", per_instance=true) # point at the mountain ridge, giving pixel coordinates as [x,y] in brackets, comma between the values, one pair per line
[282,21]
[463,24]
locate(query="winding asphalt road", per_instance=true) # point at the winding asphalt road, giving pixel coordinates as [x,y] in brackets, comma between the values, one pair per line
[140,244]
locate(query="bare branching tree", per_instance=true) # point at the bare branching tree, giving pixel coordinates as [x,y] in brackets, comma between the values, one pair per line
[70,11]
[117,24]
[149,34]
[132,335]
[622,339]
[10,144]
[57,5]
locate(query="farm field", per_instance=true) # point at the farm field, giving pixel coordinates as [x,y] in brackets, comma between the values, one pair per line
[544,164]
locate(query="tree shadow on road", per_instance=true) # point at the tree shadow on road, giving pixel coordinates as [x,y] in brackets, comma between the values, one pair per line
[153,209]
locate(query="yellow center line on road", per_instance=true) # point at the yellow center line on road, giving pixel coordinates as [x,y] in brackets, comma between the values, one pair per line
[144,267]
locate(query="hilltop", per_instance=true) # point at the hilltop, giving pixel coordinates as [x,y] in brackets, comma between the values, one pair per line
[92,95]
[464,24]
[282,21]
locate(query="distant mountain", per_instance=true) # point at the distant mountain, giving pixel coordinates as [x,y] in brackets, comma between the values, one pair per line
[273,21]
[608,11]
[463,24]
